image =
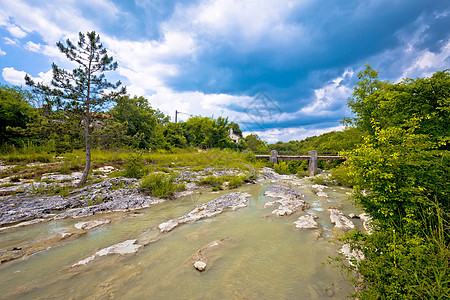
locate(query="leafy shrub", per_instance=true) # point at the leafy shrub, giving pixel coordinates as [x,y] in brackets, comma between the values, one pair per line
[134,167]
[281,168]
[236,182]
[341,175]
[159,185]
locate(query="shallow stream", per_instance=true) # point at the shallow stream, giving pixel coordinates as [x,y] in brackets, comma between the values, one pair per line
[265,257]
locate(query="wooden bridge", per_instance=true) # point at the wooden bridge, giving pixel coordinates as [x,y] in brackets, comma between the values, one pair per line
[312,157]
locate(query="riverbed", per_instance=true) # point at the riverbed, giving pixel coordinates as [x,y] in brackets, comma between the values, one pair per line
[263,256]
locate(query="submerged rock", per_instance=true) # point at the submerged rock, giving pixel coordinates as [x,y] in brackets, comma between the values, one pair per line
[91,224]
[202,256]
[127,247]
[290,201]
[232,201]
[340,221]
[306,222]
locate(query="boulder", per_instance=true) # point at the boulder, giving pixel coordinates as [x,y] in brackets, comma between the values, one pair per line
[200,265]
[340,221]
[306,222]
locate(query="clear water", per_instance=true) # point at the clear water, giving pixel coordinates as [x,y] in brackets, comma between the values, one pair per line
[265,257]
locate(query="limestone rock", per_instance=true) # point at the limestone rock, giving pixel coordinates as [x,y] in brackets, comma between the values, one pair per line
[366,219]
[127,247]
[199,265]
[168,226]
[340,221]
[306,222]
[91,224]
[352,255]
[231,201]
[290,201]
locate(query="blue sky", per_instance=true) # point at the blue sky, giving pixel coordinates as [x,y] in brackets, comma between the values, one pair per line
[281,69]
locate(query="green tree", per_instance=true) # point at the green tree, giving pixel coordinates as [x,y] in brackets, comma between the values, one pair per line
[403,167]
[84,90]
[254,143]
[363,109]
[144,125]
[15,113]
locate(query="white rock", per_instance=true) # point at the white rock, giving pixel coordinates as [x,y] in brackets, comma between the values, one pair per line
[200,265]
[322,194]
[366,219]
[126,247]
[168,226]
[91,224]
[340,221]
[232,201]
[306,222]
[351,255]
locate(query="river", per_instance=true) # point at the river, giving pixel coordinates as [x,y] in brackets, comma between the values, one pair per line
[264,257]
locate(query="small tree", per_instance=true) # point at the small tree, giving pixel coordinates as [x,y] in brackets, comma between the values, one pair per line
[84,90]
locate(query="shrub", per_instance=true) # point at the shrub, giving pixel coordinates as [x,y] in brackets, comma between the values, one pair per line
[134,166]
[341,175]
[159,185]
[281,168]
[236,182]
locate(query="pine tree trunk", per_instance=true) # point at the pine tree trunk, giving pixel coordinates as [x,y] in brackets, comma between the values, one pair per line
[88,153]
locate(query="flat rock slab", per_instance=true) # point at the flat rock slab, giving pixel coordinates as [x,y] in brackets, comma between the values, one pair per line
[127,247]
[232,201]
[87,201]
[290,201]
[91,224]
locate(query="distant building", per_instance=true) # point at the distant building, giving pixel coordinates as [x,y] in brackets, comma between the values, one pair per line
[234,137]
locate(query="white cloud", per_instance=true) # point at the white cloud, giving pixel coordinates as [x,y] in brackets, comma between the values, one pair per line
[2,52]
[9,41]
[15,77]
[425,62]
[332,93]
[16,31]
[242,23]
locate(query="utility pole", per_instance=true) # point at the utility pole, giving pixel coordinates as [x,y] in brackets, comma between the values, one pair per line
[176,114]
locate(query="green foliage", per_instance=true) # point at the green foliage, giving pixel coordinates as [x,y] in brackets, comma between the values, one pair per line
[134,166]
[404,165]
[15,113]
[143,124]
[281,168]
[159,185]
[341,175]
[255,144]
[236,181]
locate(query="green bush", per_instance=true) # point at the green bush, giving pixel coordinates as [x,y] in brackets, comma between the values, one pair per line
[236,182]
[159,185]
[281,168]
[134,166]
[341,175]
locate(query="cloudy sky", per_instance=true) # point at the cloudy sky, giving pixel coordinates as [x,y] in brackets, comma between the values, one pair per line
[281,69]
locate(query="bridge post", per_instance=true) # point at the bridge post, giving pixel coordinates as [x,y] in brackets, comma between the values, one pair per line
[274,156]
[312,167]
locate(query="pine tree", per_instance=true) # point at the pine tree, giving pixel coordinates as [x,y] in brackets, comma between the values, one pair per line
[84,90]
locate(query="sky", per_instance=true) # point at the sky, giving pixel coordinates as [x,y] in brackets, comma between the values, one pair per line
[281,69]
